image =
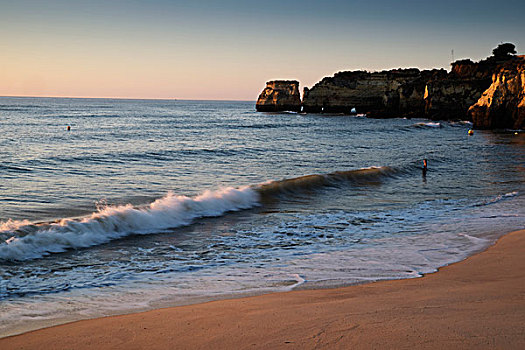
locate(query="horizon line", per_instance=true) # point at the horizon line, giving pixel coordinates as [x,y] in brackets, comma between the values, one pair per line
[128,98]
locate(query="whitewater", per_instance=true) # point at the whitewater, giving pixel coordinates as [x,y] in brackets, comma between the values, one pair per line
[32,241]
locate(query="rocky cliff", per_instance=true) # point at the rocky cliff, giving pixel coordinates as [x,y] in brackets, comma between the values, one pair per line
[280,95]
[433,94]
[502,105]
[385,94]
[450,96]
[489,92]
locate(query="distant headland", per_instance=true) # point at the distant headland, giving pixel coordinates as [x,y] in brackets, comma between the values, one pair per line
[490,93]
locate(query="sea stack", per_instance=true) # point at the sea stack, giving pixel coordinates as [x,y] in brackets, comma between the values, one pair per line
[502,105]
[280,96]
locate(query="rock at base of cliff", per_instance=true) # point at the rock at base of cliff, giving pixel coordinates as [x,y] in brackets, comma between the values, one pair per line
[280,96]
[502,105]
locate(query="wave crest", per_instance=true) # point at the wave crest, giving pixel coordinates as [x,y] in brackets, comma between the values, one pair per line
[31,241]
[371,175]
[27,240]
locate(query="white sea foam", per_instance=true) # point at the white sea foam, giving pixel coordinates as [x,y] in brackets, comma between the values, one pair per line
[429,124]
[498,198]
[24,240]
[11,225]
[111,223]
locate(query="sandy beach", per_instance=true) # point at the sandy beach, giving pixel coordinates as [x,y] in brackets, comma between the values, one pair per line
[478,303]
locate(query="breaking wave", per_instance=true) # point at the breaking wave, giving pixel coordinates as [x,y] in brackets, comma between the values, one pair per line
[35,240]
[428,125]
[31,241]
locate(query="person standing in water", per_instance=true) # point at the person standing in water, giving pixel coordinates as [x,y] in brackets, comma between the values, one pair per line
[424,167]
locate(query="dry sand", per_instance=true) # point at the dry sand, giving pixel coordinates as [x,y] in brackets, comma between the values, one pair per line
[475,304]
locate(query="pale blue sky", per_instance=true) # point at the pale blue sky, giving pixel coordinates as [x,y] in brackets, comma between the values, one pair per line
[229,49]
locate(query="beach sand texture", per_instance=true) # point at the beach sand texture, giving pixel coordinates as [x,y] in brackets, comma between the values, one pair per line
[475,304]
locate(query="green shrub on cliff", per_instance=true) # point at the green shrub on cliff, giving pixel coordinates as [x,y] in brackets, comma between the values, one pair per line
[504,50]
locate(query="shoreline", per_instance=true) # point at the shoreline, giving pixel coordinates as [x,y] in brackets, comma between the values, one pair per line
[201,299]
[477,302]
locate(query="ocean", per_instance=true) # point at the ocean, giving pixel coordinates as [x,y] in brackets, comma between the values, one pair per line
[154,203]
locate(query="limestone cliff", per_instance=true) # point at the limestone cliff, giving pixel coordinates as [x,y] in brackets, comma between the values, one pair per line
[392,93]
[280,95]
[433,94]
[502,105]
[450,97]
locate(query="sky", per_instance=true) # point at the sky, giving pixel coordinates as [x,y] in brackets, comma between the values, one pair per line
[228,49]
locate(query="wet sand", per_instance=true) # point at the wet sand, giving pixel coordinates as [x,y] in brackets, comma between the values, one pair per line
[475,304]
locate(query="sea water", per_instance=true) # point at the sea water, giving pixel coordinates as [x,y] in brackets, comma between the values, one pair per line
[152,203]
